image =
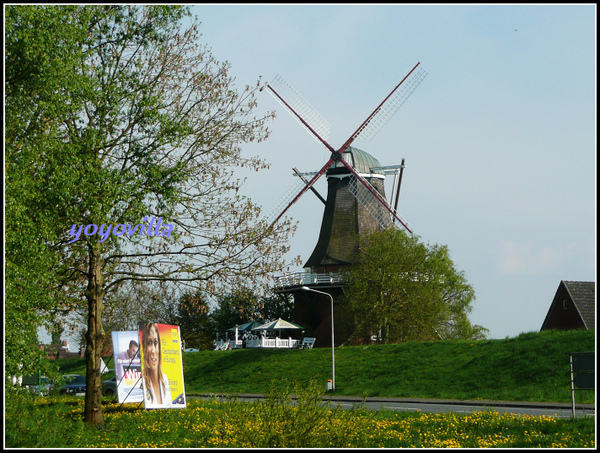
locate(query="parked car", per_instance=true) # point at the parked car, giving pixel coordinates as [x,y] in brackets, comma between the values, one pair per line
[37,385]
[190,350]
[74,385]
[109,387]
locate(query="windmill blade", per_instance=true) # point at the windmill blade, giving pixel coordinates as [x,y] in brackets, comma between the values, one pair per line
[278,208]
[294,195]
[370,189]
[369,202]
[394,101]
[300,109]
[366,198]
[388,106]
[301,176]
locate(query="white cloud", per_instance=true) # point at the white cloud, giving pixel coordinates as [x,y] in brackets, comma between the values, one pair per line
[523,258]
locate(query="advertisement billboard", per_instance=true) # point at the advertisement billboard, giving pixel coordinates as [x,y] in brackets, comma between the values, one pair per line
[162,366]
[128,366]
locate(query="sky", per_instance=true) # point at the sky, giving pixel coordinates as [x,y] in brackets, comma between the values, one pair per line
[499,139]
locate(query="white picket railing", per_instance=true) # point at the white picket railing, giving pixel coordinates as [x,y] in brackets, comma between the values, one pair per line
[273,343]
[281,343]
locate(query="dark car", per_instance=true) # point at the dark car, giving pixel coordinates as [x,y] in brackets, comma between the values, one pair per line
[38,385]
[109,387]
[74,385]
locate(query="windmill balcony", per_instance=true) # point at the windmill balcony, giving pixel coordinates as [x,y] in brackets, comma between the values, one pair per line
[307,278]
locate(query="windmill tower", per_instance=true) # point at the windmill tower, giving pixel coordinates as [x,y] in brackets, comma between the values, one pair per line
[355,203]
[345,217]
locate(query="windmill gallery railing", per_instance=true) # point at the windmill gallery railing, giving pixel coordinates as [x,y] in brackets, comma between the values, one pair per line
[307,278]
[313,278]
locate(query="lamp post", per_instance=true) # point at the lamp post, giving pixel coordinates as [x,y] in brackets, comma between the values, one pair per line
[306,288]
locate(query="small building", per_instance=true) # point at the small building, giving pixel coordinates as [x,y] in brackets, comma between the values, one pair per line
[573,307]
[61,351]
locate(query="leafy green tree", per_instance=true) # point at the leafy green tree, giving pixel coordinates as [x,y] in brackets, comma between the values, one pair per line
[403,290]
[138,121]
[238,307]
[41,51]
[272,307]
[196,324]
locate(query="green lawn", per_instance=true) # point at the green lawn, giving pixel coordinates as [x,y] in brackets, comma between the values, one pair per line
[530,367]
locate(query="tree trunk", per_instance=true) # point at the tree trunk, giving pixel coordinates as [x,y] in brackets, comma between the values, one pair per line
[94,336]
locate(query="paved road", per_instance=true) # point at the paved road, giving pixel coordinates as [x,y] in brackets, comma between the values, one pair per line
[439,406]
[465,407]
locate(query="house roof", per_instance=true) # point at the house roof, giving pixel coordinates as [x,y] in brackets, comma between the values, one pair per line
[583,295]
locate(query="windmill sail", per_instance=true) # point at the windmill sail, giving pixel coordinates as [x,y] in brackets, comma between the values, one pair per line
[300,109]
[372,205]
[390,106]
[376,195]
[311,120]
[369,202]
[292,195]
[284,201]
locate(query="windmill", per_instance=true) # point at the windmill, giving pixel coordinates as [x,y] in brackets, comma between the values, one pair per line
[355,201]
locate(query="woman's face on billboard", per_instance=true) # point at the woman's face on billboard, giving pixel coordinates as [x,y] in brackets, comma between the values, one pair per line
[152,349]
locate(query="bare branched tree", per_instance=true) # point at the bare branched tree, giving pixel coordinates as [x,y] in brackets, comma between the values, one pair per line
[153,130]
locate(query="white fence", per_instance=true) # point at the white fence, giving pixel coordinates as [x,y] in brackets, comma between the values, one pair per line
[273,343]
[288,343]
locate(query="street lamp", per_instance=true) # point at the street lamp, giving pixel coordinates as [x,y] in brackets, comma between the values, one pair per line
[306,288]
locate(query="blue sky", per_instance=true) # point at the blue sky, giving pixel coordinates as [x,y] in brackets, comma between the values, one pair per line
[499,139]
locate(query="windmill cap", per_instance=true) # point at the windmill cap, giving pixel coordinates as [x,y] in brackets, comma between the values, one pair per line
[360,160]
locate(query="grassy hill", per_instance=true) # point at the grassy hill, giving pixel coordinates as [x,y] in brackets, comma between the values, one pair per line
[530,367]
